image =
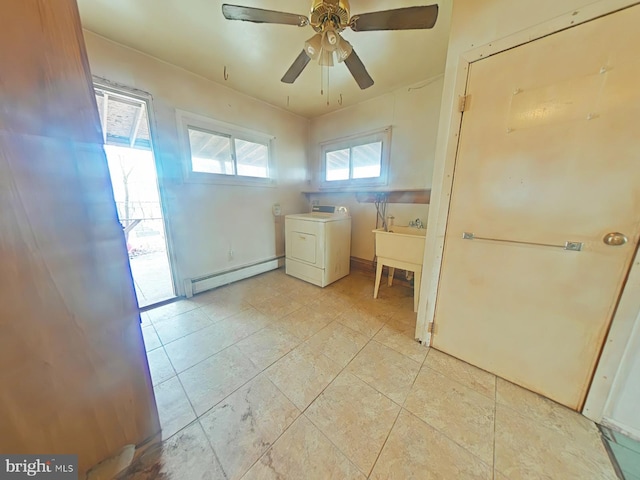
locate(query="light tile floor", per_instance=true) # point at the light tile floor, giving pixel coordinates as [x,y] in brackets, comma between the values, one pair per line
[274,378]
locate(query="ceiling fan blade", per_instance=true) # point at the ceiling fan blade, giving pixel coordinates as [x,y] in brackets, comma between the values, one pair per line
[296,68]
[398,19]
[258,15]
[359,72]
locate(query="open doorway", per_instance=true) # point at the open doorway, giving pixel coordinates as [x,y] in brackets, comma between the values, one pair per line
[132,166]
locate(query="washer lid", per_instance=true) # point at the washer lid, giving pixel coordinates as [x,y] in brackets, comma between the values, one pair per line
[323,213]
[318,217]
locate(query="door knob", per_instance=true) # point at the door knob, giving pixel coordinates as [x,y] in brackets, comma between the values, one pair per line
[615,239]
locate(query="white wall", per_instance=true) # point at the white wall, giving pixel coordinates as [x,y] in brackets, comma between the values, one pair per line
[476,23]
[413,114]
[623,406]
[205,220]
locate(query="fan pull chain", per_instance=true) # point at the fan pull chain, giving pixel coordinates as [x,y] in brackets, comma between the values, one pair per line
[328,85]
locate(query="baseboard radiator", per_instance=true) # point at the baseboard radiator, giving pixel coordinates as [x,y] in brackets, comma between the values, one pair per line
[193,286]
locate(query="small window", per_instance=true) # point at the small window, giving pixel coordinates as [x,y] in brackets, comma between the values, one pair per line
[358,160]
[222,153]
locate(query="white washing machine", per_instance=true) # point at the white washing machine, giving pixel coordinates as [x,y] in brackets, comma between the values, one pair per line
[318,244]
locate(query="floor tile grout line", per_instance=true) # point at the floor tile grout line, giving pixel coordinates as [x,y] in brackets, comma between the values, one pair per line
[151,325]
[415,379]
[171,316]
[458,382]
[348,363]
[303,411]
[333,379]
[259,370]
[175,374]
[281,433]
[214,322]
[215,454]
[218,320]
[225,348]
[373,339]
[384,443]
[376,389]
[198,416]
[537,421]
[357,331]
[397,350]
[331,441]
[185,335]
[440,431]
[495,396]
[184,390]
[343,370]
[163,440]
[207,358]
[220,351]
[449,438]
[276,360]
[435,428]
[271,320]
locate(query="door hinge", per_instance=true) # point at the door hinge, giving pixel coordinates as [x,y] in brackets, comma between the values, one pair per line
[431,328]
[463,102]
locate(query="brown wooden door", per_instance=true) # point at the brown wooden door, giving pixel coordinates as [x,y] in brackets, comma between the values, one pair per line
[549,153]
[74,376]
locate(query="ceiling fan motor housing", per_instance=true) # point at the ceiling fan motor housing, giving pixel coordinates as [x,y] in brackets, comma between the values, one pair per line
[337,12]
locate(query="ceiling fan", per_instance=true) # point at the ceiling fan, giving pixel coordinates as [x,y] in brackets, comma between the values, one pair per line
[330,17]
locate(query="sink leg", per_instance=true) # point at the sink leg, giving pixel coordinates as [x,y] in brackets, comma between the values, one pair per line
[378,275]
[392,270]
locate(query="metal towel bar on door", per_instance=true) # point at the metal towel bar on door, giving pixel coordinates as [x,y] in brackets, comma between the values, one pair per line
[573,246]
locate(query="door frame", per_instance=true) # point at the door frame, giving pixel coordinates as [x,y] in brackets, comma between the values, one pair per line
[446,154]
[148,99]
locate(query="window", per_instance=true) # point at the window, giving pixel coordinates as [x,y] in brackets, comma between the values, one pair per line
[221,153]
[358,160]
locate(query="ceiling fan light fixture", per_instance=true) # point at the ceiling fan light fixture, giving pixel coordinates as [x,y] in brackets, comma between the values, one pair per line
[343,50]
[330,39]
[313,46]
[326,58]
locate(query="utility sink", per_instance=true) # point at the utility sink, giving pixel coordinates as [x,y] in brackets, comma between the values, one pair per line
[401,247]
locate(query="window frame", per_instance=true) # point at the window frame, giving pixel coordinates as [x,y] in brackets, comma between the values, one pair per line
[187,120]
[382,135]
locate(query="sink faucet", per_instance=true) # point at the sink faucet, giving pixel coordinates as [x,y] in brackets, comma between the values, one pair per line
[417,223]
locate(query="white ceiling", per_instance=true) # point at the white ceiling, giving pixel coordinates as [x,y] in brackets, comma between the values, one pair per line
[194,35]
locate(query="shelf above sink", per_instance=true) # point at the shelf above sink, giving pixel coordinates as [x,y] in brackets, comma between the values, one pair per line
[418,196]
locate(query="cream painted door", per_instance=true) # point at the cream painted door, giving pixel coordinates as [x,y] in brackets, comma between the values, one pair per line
[549,153]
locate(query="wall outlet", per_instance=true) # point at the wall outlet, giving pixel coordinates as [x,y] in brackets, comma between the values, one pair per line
[277,211]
